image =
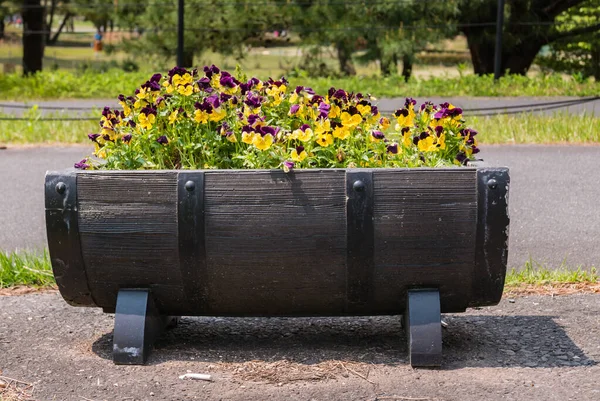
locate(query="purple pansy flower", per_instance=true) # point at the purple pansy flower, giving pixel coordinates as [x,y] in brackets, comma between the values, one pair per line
[213,100]
[324,110]
[288,165]
[294,109]
[127,138]
[155,78]
[162,140]
[93,137]
[82,164]
[393,148]
[378,135]
[462,158]
[253,100]
[409,101]
[438,130]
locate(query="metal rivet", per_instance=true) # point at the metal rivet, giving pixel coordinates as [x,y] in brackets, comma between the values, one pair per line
[492,183]
[190,186]
[358,186]
[61,187]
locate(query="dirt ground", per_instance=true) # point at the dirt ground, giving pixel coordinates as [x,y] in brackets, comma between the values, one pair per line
[527,348]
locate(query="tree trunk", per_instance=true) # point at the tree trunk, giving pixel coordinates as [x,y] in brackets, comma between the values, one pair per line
[33,36]
[344,54]
[188,58]
[596,61]
[482,51]
[389,65]
[54,39]
[407,66]
[51,19]
[1,28]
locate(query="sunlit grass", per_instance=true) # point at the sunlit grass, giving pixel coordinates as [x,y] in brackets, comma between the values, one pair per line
[540,274]
[528,128]
[24,268]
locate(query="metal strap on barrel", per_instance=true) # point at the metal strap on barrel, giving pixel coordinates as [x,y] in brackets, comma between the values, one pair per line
[192,249]
[360,243]
[64,243]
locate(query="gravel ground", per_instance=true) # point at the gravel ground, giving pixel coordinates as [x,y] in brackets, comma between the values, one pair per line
[527,348]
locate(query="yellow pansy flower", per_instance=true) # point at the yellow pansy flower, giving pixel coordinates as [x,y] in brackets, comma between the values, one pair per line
[349,120]
[427,144]
[299,157]
[217,115]
[201,116]
[173,117]
[407,138]
[262,142]
[334,111]
[185,90]
[385,122]
[247,137]
[322,126]
[143,92]
[146,121]
[126,108]
[325,140]
[363,109]
[341,132]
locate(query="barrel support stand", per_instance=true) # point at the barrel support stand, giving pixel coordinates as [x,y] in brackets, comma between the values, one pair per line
[422,322]
[138,324]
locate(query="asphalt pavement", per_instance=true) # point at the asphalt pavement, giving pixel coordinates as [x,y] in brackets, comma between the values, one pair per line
[554,196]
[471,105]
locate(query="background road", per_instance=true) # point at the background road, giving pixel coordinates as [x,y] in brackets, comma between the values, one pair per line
[554,197]
[471,105]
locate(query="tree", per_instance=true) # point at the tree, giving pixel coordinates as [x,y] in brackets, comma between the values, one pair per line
[220,26]
[529,25]
[387,31]
[580,54]
[33,36]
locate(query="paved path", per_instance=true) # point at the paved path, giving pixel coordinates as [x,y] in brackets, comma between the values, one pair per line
[553,199]
[386,105]
[536,348]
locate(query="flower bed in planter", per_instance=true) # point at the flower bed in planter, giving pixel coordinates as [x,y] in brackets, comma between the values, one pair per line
[276,202]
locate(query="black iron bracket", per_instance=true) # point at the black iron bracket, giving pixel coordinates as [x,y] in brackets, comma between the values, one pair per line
[423,325]
[360,239]
[138,324]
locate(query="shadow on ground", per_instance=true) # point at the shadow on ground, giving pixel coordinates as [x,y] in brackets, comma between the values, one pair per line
[469,341]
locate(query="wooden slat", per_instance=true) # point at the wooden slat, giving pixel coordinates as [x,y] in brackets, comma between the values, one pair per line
[129,232]
[276,242]
[425,225]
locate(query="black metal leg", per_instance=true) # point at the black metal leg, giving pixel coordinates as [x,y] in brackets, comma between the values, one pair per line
[137,325]
[422,322]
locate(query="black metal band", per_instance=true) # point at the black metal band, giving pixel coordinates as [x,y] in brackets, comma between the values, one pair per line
[360,245]
[491,248]
[63,238]
[192,248]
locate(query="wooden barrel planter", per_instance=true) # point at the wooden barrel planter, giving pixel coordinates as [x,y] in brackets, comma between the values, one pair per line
[331,242]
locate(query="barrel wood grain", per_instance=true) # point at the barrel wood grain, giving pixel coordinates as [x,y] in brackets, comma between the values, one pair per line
[276,242]
[425,226]
[128,227]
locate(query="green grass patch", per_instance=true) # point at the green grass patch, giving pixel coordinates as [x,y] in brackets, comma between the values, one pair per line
[90,84]
[527,128]
[540,274]
[37,130]
[24,268]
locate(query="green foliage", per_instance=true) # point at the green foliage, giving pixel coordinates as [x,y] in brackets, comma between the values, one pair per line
[579,55]
[537,273]
[223,27]
[385,31]
[90,84]
[25,269]
[64,84]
